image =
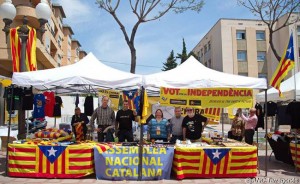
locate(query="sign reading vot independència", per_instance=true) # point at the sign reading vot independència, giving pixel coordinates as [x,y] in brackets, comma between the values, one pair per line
[207,97]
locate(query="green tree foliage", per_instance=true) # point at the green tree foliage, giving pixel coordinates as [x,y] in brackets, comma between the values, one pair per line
[170,63]
[193,54]
[183,56]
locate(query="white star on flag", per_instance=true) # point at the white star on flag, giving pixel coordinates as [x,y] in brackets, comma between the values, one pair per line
[289,50]
[130,93]
[52,151]
[216,154]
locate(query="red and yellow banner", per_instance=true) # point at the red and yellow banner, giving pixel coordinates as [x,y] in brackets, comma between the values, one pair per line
[295,154]
[15,43]
[235,162]
[47,161]
[207,97]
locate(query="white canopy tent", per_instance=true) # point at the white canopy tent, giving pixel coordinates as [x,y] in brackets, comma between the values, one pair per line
[193,74]
[287,88]
[88,72]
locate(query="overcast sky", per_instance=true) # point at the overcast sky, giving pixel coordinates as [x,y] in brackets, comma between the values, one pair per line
[98,32]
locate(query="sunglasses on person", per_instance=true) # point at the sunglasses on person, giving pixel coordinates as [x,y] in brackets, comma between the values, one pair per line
[188,110]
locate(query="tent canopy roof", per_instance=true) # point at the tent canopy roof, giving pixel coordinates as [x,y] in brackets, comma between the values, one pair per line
[287,88]
[193,74]
[88,72]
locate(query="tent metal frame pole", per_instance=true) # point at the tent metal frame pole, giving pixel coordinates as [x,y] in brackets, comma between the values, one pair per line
[8,128]
[141,144]
[222,122]
[266,129]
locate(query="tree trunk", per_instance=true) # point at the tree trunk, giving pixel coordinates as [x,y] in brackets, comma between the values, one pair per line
[272,46]
[133,57]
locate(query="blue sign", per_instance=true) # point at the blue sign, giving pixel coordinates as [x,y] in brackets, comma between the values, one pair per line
[121,163]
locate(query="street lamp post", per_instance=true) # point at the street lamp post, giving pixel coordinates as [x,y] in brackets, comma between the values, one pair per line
[8,13]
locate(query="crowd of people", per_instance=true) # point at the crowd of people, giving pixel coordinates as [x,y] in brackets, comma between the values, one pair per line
[159,128]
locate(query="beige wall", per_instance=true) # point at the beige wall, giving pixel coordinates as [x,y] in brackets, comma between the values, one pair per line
[224,46]
[50,49]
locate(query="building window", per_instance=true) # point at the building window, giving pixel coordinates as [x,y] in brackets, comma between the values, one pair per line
[262,75]
[298,30]
[243,74]
[241,55]
[205,48]
[208,45]
[209,64]
[261,56]
[240,35]
[260,35]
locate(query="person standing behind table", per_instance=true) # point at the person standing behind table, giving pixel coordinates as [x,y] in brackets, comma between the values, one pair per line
[77,119]
[105,118]
[176,125]
[250,124]
[192,127]
[237,128]
[158,127]
[123,123]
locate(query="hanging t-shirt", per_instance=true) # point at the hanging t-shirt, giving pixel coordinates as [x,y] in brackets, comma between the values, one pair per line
[39,106]
[193,126]
[27,99]
[50,102]
[260,116]
[283,117]
[272,108]
[89,105]
[57,106]
[16,95]
[293,110]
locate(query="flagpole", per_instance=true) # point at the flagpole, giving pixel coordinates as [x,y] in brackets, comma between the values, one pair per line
[296,59]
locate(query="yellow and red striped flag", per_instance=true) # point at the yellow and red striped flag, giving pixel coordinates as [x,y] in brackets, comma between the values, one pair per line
[15,44]
[286,63]
[130,96]
[48,161]
[213,114]
[215,162]
[293,152]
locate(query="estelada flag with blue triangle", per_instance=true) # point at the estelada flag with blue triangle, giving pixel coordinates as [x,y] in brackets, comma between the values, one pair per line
[216,155]
[130,95]
[286,63]
[52,152]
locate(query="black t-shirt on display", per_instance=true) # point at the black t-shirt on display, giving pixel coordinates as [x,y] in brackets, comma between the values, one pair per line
[193,126]
[57,106]
[260,116]
[27,99]
[293,109]
[125,119]
[16,95]
[272,108]
[89,105]
[283,117]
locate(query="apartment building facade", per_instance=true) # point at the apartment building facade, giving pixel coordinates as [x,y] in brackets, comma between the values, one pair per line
[54,49]
[241,47]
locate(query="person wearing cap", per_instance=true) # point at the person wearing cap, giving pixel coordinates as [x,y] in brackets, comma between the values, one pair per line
[192,126]
[250,124]
[78,123]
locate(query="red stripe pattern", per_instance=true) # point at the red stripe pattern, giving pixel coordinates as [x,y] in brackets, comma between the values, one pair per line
[30,161]
[238,162]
